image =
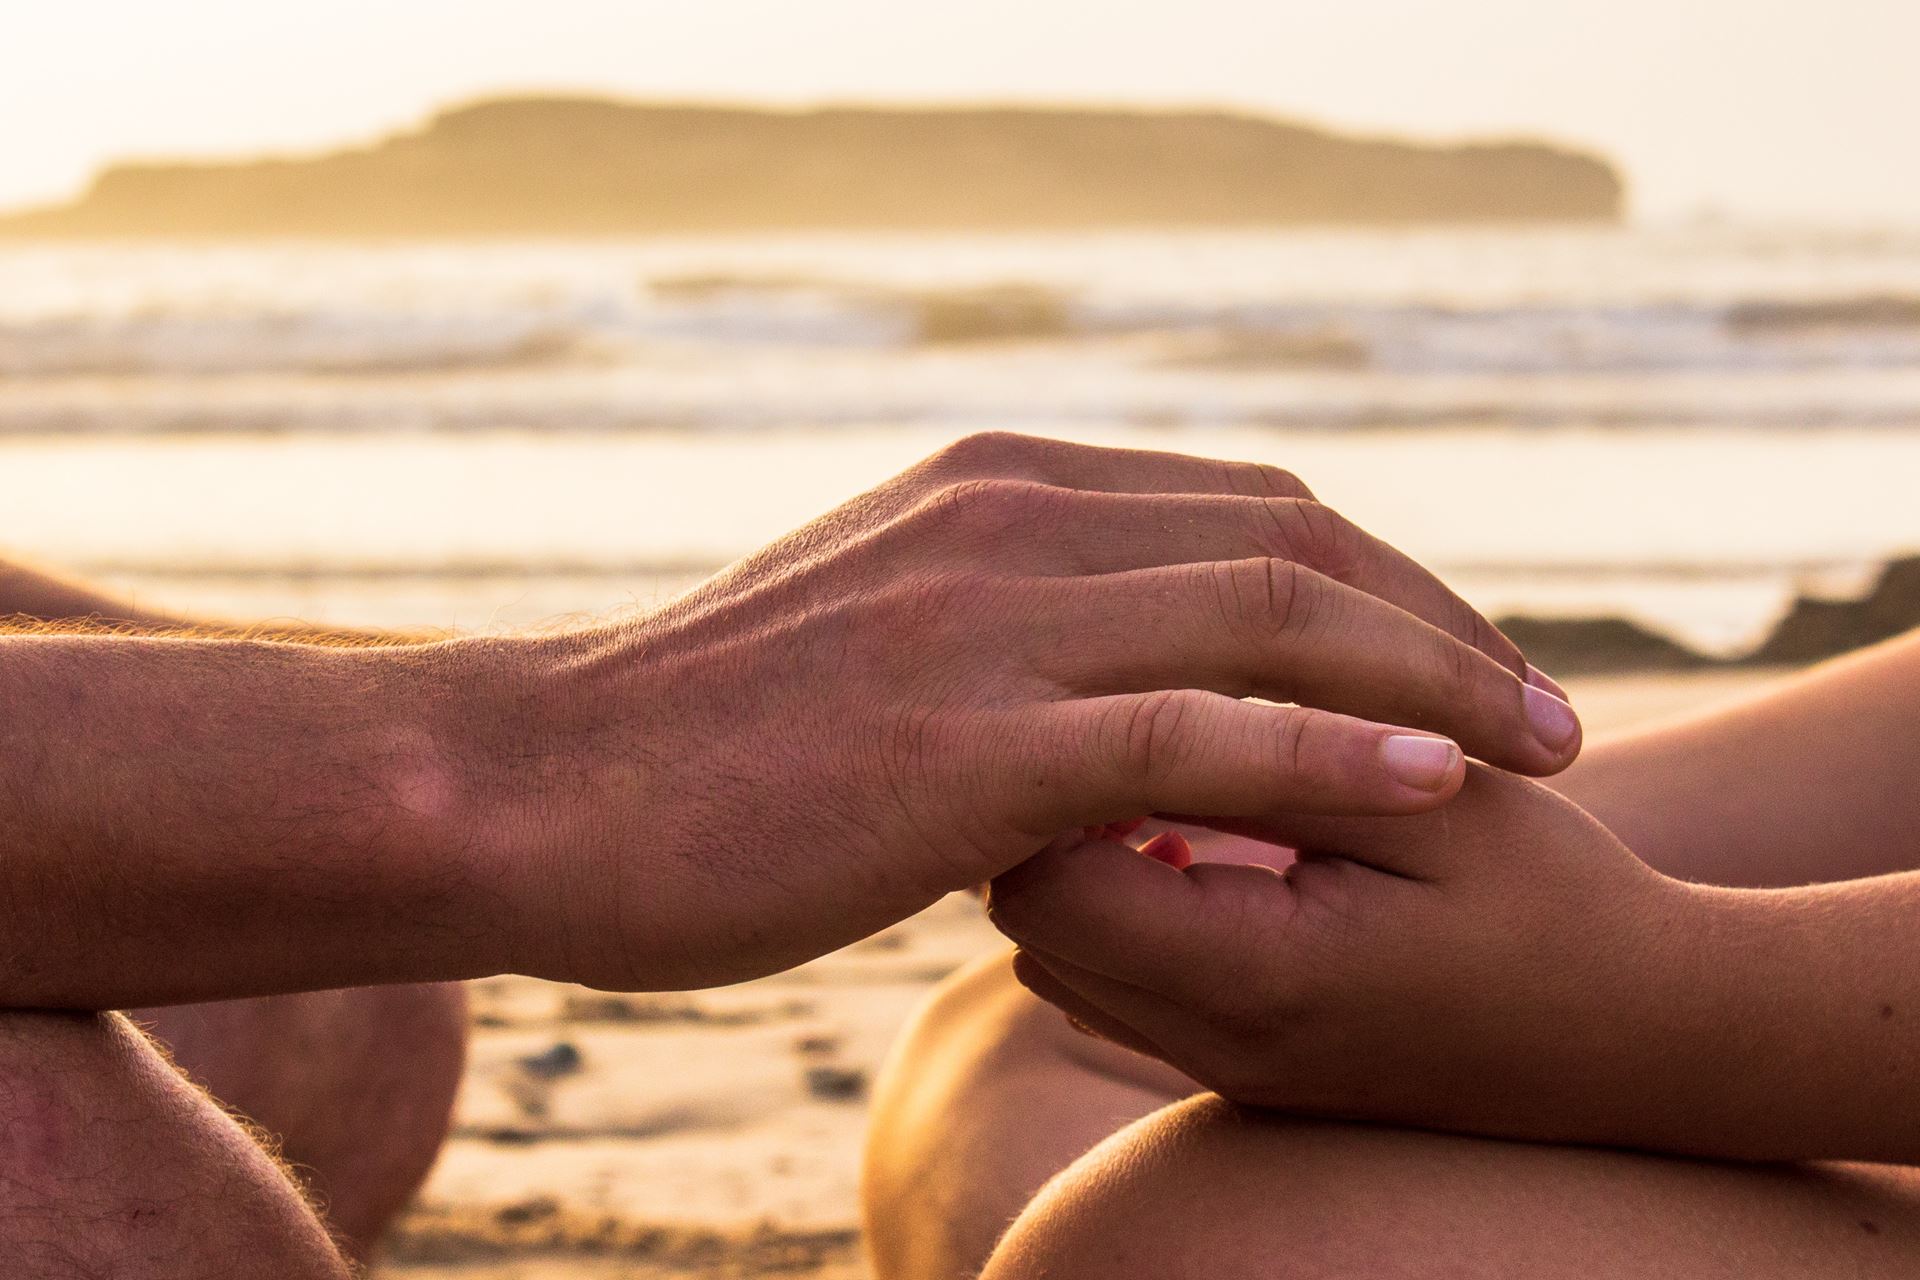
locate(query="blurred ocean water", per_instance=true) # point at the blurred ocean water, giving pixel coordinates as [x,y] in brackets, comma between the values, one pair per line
[1684,424]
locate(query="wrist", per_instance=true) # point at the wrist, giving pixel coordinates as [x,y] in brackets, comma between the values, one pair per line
[1623,1056]
[544,736]
[1715,1036]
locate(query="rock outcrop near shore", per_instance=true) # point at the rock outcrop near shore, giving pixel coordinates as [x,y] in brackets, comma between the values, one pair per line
[593,167]
[1582,646]
[1812,629]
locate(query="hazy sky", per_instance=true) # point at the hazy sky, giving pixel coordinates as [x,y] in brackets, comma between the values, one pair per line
[1769,107]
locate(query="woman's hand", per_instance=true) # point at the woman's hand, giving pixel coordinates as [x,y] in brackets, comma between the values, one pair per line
[1501,966]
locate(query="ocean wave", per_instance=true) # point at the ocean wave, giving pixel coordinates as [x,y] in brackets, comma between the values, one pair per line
[133,419]
[987,313]
[1539,339]
[747,317]
[319,342]
[1257,336]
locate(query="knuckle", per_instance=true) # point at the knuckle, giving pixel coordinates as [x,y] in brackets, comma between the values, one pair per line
[983,453]
[1457,661]
[1481,634]
[960,500]
[912,612]
[991,506]
[1317,535]
[1262,596]
[1281,481]
[1294,602]
[1256,480]
[964,594]
[1299,741]
[1152,735]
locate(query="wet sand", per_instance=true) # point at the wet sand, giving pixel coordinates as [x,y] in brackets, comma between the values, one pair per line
[717,1134]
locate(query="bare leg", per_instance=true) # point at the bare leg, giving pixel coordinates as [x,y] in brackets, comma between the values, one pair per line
[1203,1190]
[990,1094]
[112,1165]
[356,1086]
[987,1095]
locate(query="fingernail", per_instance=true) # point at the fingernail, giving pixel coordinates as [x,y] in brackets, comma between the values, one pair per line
[1422,763]
[1171,848]
[1553,721]
[1541,680]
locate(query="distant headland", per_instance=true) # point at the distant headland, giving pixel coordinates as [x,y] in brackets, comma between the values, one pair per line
[577,166]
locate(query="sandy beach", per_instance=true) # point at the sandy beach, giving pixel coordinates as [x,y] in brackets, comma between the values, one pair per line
[717,1134]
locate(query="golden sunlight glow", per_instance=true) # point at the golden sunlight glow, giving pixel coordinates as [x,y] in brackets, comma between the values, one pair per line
[1746,107]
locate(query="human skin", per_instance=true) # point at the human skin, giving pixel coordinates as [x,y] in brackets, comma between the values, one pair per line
[1809,782]
[353,1089]
[908,696]
[1204,1190]
[991,1093]
[117,1166]
[1507,967]
[999,1131]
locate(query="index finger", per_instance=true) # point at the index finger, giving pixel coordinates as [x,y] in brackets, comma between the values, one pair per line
[1274,628]
[1107,532]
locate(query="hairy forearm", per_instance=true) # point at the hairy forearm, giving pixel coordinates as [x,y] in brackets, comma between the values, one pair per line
[186,819]
[1808,783]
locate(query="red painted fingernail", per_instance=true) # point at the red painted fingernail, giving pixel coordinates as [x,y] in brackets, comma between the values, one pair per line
[1171,848]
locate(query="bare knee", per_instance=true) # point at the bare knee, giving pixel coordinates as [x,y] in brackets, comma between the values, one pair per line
[115,1165]
[1202,1189]
[357,1086]
[1146,1202]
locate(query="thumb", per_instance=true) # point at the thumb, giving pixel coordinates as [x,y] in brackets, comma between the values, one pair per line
[1108,910]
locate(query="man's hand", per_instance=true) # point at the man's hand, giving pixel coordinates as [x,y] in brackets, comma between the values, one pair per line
[1503,966]
[925,687]
[909,696]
